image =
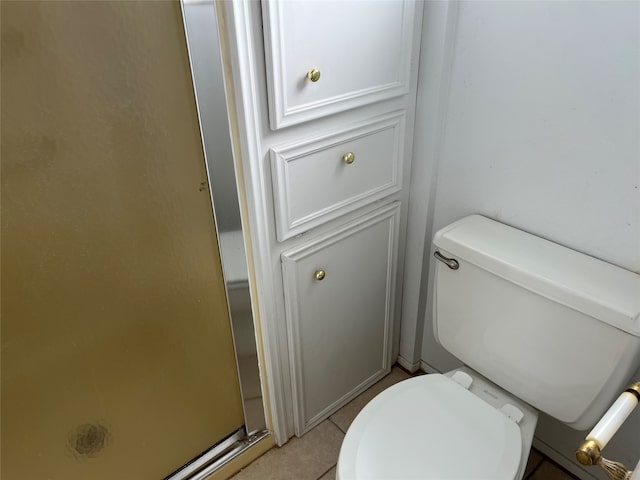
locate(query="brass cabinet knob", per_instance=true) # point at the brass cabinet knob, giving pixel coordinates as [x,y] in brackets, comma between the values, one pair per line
[320,274]
[348,158]
[313,75]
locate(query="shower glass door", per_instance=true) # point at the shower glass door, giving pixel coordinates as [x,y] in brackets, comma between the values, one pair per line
[117,355]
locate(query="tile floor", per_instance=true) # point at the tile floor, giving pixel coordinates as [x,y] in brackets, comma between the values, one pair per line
[314,456]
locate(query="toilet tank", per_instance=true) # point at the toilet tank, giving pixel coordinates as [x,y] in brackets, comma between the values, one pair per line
[556,328]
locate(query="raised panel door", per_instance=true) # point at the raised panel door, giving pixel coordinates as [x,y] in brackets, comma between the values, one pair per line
[325,57]
[339,292]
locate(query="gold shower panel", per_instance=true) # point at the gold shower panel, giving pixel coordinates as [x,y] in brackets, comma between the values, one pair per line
[117,358]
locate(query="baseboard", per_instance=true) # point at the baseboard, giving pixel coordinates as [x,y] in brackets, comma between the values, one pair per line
[408,366]
[425,367]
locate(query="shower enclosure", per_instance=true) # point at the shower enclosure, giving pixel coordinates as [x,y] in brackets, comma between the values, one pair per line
[118,357]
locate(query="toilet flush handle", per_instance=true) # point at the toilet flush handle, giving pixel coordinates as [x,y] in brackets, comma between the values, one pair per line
[452,263]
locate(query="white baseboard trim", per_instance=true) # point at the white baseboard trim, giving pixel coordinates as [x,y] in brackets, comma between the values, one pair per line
[410,367]
[425,367]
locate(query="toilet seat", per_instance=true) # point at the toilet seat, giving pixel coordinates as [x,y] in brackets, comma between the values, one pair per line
[430,428]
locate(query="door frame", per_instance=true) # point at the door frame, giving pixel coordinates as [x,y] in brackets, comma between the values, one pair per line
[243,68]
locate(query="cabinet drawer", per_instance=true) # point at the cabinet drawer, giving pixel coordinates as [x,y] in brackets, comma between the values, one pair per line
[361,50]
[322,178]
[339,293]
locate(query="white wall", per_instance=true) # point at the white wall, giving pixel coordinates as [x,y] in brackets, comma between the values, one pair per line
[529,113]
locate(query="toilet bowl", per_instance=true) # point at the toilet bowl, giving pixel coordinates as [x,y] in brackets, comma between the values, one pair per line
[439,427]
[539,327]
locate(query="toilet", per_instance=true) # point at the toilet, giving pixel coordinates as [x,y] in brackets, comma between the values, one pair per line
[539,327]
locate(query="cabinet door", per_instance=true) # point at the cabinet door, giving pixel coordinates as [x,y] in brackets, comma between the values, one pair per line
[339,293]
[325,57]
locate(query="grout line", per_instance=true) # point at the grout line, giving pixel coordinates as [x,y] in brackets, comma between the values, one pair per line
[567,473]
[336,425]
[401,368]
[327,471]
[534,469]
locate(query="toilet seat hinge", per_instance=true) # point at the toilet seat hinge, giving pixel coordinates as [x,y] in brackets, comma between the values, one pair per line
[463,379]
[513,413]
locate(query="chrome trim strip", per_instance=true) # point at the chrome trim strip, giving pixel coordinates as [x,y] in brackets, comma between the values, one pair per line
[209,456]
[244,445]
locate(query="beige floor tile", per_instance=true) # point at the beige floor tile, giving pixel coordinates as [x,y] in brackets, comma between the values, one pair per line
[549,471]
[535,459]
[305,458]
[343,417]
[330,475]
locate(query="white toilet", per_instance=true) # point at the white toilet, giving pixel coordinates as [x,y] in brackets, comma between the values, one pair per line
[539,326]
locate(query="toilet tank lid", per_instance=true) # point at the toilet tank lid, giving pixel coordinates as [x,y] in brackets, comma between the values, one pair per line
[593,287]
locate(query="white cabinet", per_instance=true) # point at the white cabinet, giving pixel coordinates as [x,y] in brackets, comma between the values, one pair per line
[320,178]
[325,57]
[326,178]
[339,294]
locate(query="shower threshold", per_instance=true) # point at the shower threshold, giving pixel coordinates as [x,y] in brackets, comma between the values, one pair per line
[218,455]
